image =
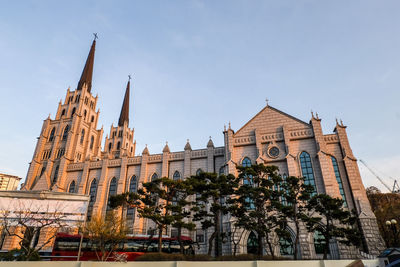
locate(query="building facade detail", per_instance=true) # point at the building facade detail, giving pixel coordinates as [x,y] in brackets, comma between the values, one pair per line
[69,155]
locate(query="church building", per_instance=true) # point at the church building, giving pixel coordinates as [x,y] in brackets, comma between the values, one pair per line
[69,158]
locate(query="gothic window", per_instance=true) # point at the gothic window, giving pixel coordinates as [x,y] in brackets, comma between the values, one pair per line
[109,146]
[53,131]
[118,145]
[120,133]
[63,112]
[131,149]
[73,112]
[307,170]
[77,98]
[130,213]
[112,191]
[91,142]
[82,136]
[176,176]
[286,245]
[65,134]
[92,200]
[71,188]
[92,119]
[339,180]
[154,176]
[42,171]
[246,162]
[319,243]
[86,100]
[84,113]
[199,171]
[252,244]
[55,177]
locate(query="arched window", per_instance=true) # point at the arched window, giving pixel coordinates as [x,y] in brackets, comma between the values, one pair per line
[109,146]
[130,213]
[42,171]
[199,171]
[307,170]
[65,134]
[91,142]
[71,188]
[112,191]
[246,162]
[55,177]
[339,180]
[286,245]
[92,119]
[221,170]
[118,145]
[73,112]
[177,176]
[92,200]
[82,136]
[53,131]
[319,243]
[154,176]
[84,113]
[252,244]
[63,112]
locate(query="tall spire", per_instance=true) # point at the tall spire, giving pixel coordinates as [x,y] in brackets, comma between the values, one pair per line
[124,116]
[87,72]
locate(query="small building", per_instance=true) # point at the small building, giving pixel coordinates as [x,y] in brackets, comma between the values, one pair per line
[20,210]
[9,182]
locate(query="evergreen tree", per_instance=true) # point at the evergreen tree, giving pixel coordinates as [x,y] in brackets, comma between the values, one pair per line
[254,203]
[211,191]
[333,222]
[293,207]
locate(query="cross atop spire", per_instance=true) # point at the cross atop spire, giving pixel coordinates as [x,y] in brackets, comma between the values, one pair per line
[87,73]
[124,116]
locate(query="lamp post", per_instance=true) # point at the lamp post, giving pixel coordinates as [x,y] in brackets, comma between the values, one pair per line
[392,225]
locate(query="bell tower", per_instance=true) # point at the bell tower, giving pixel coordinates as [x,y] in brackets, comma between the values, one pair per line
[120,141]
[72,136]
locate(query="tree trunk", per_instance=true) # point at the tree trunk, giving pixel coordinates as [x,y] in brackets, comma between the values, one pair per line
[271,249]
[296,240]
[218,235]
[160,230]
[210,244]
[180,240]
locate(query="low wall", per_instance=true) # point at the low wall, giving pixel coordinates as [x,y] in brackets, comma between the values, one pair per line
[315,263]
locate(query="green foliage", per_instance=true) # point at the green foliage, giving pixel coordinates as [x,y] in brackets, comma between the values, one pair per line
[293,207]
[333,221]
[255,200]
[211,189]
[19,255]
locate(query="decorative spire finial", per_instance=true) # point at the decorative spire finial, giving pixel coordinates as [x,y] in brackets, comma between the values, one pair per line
[267,100]
[224,127]
[95,36]
[129,77]
[229,125]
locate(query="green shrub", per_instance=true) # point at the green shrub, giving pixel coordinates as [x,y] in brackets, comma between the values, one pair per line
[19,255]
[199,257]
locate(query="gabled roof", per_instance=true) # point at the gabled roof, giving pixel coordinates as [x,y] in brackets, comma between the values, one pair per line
[270,119]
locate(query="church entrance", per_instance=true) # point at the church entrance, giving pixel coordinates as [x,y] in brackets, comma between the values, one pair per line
[252,244]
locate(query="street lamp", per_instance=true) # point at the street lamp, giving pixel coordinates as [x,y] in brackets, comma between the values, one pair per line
[392,225]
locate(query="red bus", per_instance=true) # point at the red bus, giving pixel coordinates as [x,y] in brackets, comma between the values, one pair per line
[66,247]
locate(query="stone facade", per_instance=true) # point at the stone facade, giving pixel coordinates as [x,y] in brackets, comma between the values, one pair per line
[73,160]
[9,182]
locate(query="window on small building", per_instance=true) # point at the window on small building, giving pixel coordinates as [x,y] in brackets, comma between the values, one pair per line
[71,188]
[307,170]
[65,134]
[53,131]
[82,136]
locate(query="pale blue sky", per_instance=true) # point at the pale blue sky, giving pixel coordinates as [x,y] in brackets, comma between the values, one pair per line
[197,65]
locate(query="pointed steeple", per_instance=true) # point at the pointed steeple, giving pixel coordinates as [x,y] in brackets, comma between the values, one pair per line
[124,116]
[87,73]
